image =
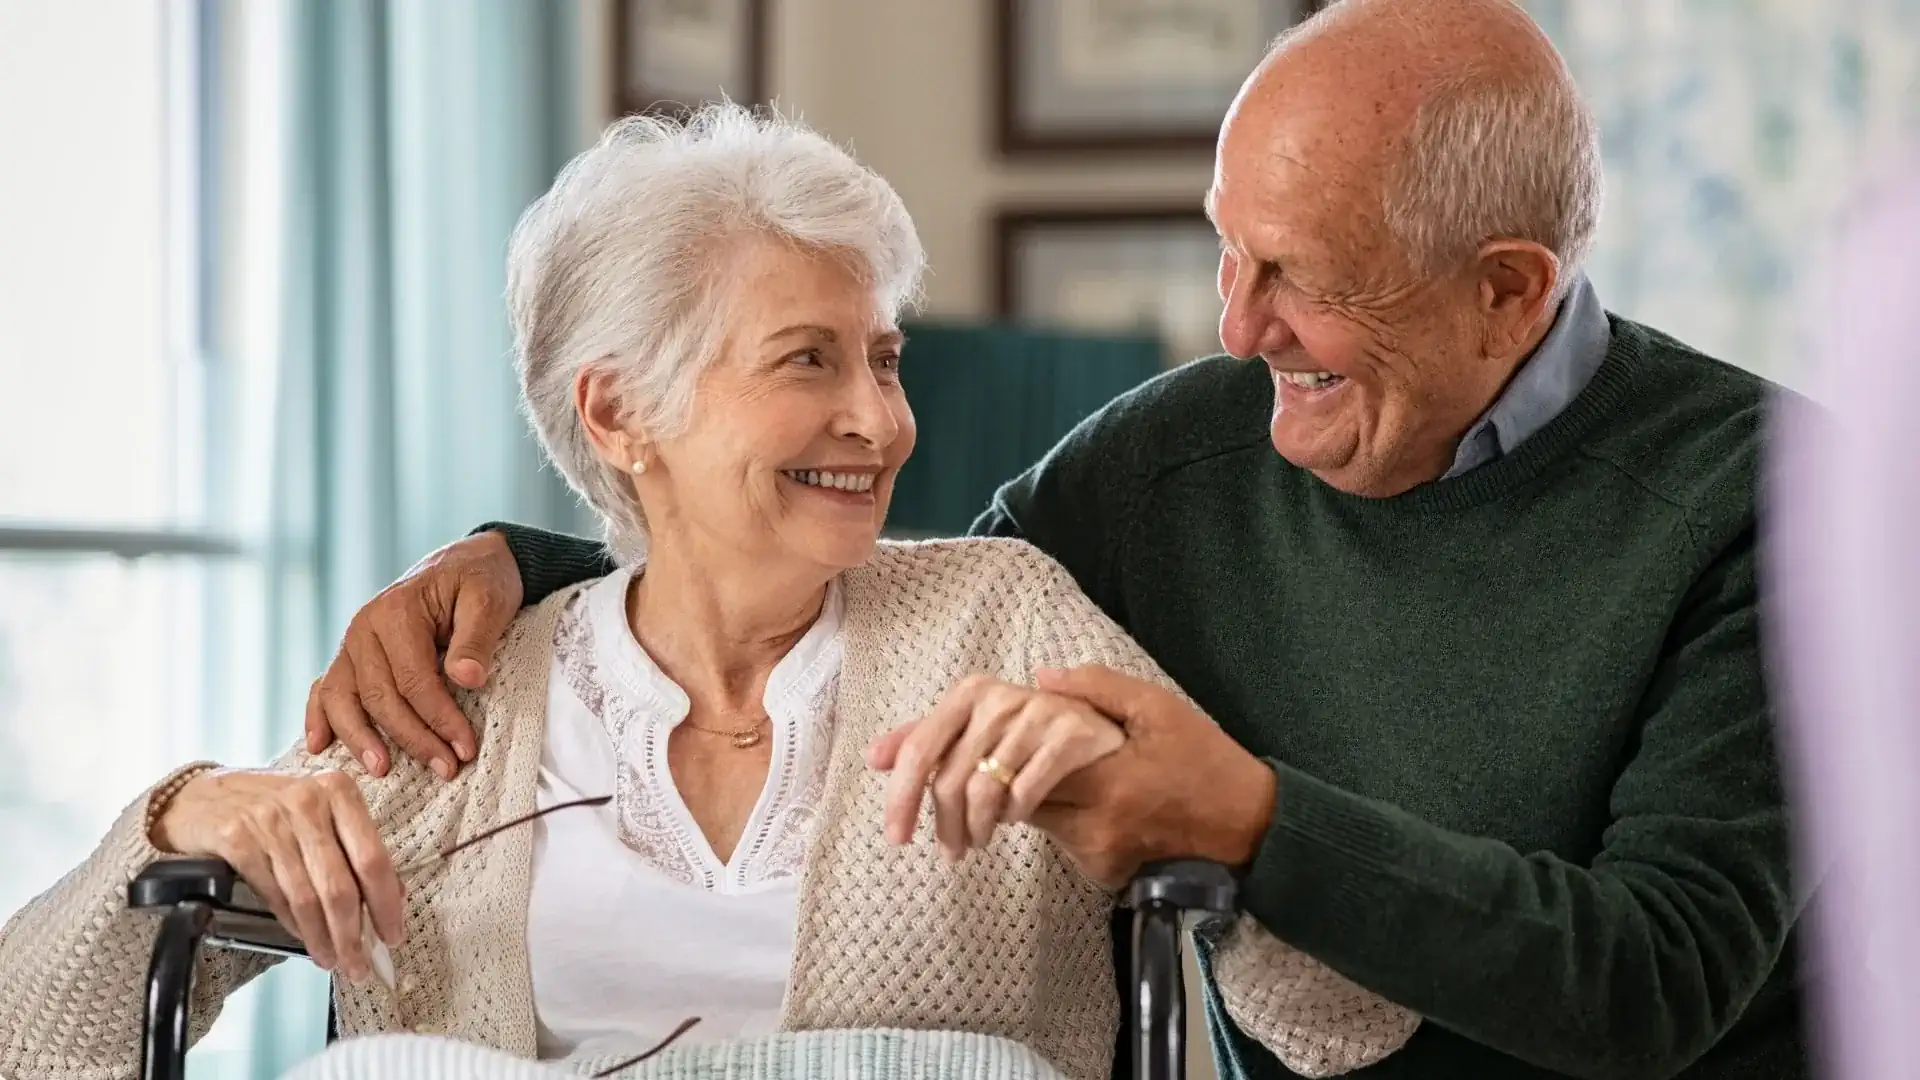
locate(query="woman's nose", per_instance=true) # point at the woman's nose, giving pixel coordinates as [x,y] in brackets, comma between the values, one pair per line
[866,414]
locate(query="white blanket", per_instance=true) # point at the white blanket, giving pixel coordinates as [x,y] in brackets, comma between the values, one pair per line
[813,1055]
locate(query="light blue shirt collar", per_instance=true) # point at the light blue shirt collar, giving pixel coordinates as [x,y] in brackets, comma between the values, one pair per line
[1547,382]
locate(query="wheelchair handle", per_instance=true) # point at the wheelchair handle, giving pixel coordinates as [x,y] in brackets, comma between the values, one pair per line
[163,1053]
[1161,896]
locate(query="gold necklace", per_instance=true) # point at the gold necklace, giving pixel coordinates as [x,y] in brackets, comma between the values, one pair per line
[745,738]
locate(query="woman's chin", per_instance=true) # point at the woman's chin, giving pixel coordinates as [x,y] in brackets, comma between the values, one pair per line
[841,546]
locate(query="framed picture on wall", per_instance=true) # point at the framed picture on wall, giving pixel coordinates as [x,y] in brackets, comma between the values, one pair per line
[1148,269]
[673,55]
[1094,75]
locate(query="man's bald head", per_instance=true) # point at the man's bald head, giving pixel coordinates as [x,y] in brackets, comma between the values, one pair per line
[1458,117]
[1411,44]
[1404,190]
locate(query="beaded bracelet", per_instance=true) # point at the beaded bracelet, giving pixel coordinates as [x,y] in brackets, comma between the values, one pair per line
[161,796]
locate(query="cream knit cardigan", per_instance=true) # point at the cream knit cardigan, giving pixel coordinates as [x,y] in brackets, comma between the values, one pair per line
[1011,942]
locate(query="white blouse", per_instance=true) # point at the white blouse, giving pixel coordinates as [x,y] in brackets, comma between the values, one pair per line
[635,924]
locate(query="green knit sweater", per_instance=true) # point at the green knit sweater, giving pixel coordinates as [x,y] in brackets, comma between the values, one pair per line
[1527,783]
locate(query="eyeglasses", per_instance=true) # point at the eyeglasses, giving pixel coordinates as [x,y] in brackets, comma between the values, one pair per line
[487,834]
[246,902]
[382,959]
[685,1026]
[377,951]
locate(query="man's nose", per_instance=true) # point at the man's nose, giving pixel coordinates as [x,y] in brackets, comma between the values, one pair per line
[1249,325]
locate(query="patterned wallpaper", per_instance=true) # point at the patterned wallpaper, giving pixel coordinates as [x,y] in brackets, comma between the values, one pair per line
[1732,130]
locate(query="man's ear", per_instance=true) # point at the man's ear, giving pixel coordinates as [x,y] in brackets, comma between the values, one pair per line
[1517,283]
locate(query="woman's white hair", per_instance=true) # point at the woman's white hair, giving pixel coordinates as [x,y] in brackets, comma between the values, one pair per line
[627,259]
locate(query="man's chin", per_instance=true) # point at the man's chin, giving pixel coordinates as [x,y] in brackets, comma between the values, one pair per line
[1316,452]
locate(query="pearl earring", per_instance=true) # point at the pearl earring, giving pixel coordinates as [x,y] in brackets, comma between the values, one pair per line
[639,467]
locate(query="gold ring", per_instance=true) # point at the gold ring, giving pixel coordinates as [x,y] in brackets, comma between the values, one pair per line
[992,767]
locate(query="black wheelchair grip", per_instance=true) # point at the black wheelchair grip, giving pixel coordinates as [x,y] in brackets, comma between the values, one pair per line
[1161,895]
[163,1055]
[172,881]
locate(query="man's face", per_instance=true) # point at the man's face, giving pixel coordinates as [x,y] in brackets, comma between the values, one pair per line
[1378,371]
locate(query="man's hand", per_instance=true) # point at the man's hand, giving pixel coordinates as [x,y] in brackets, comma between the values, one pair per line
[463,597]
[1180,787]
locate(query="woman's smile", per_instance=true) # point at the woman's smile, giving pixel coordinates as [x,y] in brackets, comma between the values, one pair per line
[836,489]
[858,481]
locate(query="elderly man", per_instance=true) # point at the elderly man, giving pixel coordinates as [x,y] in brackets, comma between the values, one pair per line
[1483,629]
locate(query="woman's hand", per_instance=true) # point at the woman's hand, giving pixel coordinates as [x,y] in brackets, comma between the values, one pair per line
[304,843]
[994,751]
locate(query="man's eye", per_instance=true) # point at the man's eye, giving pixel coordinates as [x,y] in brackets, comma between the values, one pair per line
[809,357]
[1264,273]
[887,361]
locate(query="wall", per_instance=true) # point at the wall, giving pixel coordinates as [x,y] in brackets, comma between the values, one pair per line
[907,85]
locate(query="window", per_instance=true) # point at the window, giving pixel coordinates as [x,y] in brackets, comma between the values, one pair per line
[134,330]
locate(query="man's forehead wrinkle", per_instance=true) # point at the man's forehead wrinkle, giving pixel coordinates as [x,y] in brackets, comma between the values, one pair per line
[1303,164]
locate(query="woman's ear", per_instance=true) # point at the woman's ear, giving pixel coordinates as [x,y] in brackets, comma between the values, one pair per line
[614,438]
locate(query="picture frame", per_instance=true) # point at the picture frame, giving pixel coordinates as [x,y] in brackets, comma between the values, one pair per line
[671,56]
[1081,76]
[1111,270]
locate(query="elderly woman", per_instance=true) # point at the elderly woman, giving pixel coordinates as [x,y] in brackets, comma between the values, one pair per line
[705,318]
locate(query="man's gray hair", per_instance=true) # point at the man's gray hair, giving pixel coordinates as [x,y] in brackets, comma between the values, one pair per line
[628,261]
[1495,155]
[1491,153]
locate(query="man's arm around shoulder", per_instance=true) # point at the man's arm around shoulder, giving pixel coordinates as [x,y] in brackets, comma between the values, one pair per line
[550,561]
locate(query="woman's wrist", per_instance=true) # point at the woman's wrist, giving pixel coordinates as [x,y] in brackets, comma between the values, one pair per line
[163,798]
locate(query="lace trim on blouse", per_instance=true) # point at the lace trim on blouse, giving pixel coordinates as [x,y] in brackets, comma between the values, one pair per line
[615,679]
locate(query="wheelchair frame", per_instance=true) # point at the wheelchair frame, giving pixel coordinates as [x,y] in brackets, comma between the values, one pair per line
[203,902]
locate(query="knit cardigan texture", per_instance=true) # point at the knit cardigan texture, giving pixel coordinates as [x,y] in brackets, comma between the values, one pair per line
[1011,942]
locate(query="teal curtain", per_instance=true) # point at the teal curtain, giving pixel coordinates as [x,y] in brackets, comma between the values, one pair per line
[418,131]
[992,400]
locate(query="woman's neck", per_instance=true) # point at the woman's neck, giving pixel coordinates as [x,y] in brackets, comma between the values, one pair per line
[718,631]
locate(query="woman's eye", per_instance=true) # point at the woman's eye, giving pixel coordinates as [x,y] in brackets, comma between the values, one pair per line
[887,361]
[809,357]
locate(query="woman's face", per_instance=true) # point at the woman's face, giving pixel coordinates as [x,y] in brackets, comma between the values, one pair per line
[798,428]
